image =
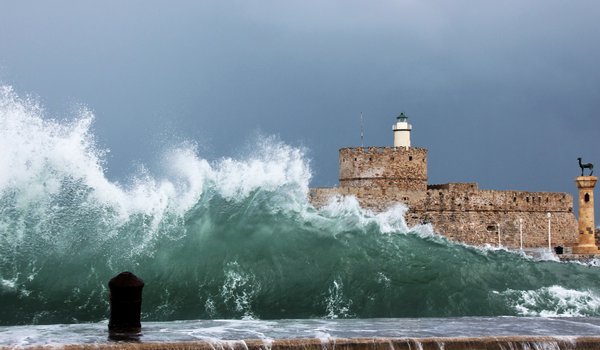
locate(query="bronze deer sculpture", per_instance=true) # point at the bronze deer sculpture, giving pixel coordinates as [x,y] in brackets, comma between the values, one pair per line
[586,166]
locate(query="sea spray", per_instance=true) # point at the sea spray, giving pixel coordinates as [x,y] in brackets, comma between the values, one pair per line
[554,301]
[231,238]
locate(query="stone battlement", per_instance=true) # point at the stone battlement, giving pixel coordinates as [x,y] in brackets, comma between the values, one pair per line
[454,186]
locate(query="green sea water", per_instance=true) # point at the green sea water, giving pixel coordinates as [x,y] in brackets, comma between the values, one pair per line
[233,238]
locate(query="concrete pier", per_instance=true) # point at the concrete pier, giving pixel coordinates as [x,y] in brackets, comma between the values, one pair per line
[479,343]
[323,334]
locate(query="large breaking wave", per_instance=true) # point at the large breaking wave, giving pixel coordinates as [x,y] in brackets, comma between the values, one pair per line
[233,238]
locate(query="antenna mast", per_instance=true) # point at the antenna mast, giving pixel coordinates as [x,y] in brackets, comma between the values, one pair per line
[362,131]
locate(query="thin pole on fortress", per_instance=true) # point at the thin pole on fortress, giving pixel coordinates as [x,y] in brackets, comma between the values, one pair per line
[549,235]
[362,131]
[521,231]
[499,243]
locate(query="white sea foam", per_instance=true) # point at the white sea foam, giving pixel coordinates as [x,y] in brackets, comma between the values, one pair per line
[39,153]
[270,167]
[337,305]
[216,332]
[554,301]
[239,290]
[8,284]
[348,213]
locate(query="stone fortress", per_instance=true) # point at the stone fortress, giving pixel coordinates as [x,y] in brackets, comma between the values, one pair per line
[382,176]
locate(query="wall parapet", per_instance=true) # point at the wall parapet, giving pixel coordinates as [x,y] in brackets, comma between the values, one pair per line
[462,186]
[380,149]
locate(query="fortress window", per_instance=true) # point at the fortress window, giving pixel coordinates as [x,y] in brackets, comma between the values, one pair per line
[370,159]
[514,199]
[586,198]
[491,228]
[392,158]
[527,199]
[409,157]
[355,159]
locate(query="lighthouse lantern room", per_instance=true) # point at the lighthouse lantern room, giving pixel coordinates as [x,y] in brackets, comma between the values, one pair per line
[402,131]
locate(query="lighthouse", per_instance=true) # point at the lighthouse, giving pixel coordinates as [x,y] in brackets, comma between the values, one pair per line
[402,131]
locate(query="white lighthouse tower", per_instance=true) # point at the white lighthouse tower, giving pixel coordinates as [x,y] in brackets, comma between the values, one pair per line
[402,131]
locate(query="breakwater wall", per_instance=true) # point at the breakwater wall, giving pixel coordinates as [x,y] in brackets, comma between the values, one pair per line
[479,343]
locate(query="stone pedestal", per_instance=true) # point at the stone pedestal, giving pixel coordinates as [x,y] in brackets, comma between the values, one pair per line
[587,241]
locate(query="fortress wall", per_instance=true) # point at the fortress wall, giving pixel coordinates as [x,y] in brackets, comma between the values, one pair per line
[472,216]
[456,186]
[377,199]
[320,196]
[381,197]
[380,177]
[389,184]
[480,228]
[376,166]
[492,200]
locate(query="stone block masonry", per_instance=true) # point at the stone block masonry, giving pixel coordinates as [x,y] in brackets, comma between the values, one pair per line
[475,217]
[380,177]
[403,168]
[587,242]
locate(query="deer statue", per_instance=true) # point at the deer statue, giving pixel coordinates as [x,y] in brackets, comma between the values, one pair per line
[586,166]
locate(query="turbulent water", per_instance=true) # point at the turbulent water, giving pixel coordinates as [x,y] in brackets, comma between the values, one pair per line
[219,333]
[233,238]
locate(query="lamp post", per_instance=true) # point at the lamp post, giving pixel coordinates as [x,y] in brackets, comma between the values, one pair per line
[521,231]
[549,216]
[498,229]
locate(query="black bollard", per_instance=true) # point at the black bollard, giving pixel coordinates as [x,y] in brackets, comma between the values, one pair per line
[125,306]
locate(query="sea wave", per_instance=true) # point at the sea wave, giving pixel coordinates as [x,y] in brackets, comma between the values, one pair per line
[234,237]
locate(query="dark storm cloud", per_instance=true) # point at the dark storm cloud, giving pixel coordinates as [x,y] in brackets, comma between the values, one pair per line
[502,93]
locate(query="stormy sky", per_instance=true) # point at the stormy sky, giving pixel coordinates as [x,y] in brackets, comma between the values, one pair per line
[503,93]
